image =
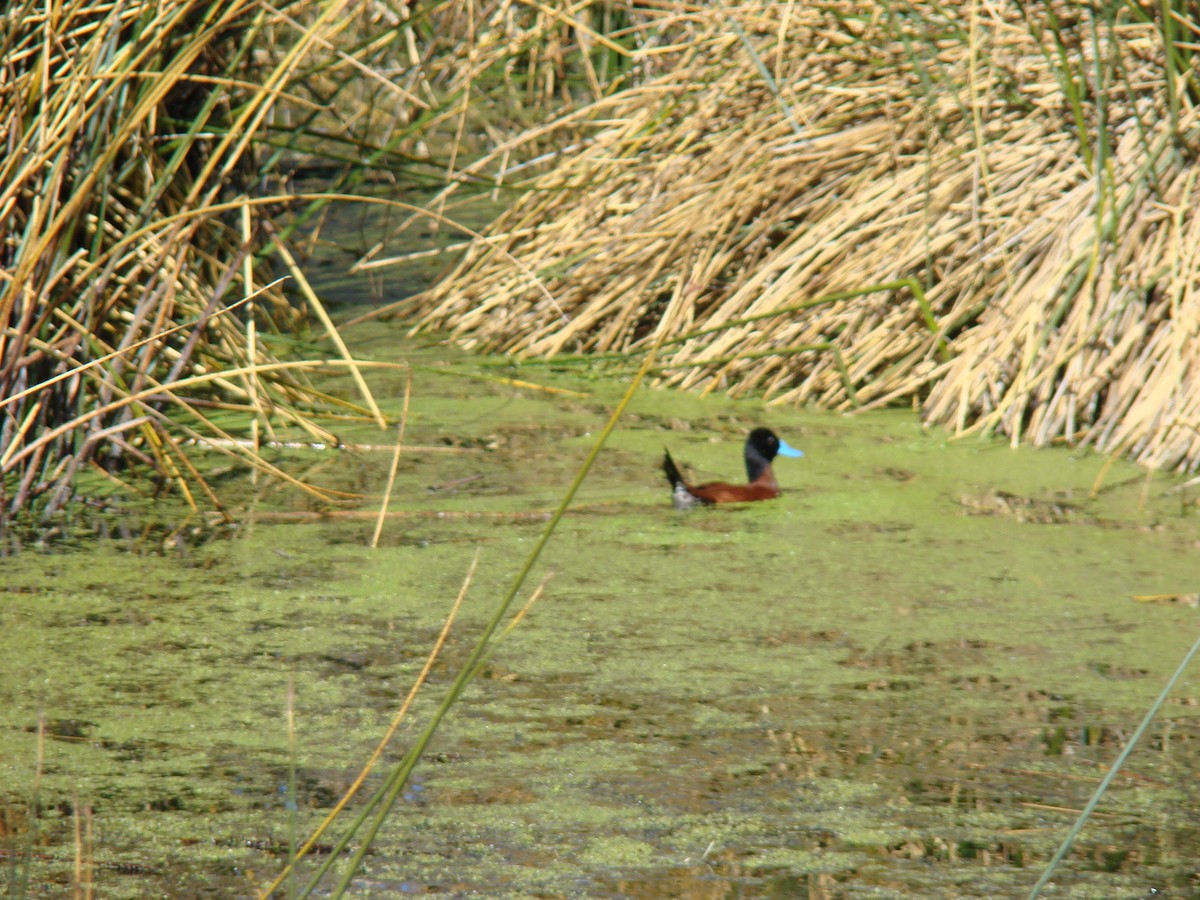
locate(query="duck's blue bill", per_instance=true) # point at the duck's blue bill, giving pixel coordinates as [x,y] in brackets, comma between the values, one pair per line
[786,449]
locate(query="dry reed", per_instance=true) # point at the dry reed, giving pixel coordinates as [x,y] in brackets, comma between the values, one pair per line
[118,279]
[143,145]
[1032,168]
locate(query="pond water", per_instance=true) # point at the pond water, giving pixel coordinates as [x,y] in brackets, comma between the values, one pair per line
[905,677]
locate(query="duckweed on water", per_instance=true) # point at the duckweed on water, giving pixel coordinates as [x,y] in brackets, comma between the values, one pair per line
[901,678]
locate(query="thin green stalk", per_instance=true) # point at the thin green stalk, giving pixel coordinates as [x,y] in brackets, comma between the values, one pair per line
[768,79]
[1073,84]
[1171,57]
[1105,188]
[1112,773]
[910,283]
[839,361]
[382,802]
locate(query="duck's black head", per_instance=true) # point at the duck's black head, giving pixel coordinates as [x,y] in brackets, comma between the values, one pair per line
[762,446]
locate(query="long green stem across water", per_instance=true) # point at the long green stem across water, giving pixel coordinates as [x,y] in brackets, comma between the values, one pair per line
[381,803]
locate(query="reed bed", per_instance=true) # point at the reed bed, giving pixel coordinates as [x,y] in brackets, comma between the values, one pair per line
[987,211]
[148,212]
[128,265]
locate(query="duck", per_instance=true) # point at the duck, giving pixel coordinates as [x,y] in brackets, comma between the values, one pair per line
[762,446]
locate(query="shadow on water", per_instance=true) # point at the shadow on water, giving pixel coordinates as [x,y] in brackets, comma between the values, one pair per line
[369,253]
[903,678]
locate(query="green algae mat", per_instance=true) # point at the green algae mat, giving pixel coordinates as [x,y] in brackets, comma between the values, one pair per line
[905,677]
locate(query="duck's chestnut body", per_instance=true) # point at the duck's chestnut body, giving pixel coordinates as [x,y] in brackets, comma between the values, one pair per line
[762,446]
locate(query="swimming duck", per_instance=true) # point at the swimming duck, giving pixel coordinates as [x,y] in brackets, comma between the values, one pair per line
[762,446]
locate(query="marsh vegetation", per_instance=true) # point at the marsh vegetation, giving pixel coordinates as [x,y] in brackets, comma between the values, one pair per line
[904,676]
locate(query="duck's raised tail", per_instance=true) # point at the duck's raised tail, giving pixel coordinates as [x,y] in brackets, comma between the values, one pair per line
[671,470]
[681,495]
